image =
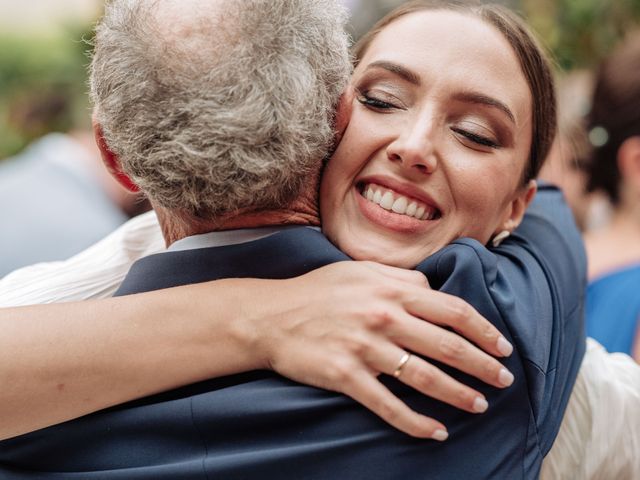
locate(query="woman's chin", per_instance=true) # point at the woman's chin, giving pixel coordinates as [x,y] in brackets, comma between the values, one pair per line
[387,255]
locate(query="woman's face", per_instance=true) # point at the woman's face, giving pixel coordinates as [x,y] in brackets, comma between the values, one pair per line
[437,143]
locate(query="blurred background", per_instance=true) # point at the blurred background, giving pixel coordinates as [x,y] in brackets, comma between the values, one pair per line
[56,198]
[42,68]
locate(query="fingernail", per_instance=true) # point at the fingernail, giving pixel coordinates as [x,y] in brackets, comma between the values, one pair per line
[480,405]
[440,435]
[504,347]
[505,377]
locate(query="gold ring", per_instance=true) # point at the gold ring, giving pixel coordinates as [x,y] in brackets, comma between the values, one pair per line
[403,361]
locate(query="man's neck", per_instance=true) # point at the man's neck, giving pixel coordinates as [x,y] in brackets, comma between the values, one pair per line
[175,228]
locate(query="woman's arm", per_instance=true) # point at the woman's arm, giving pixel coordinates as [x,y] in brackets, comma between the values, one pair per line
[337,328]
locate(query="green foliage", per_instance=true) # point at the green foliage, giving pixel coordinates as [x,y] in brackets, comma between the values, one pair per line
[42,86]
[582,32]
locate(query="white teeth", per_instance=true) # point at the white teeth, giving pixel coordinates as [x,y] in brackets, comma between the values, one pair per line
[369,194]
[387,201]
[400,205]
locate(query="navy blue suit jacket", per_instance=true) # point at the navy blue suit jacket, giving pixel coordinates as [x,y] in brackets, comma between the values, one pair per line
[260,425]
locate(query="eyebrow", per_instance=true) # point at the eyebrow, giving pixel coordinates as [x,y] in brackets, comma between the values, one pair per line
[399,70]
[481,99]
[469,97]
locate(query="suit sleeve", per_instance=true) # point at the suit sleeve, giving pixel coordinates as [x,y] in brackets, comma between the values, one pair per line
[531,287]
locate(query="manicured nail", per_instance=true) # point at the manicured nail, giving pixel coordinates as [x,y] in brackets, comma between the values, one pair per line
[505,377]
[480,405]
[504,347]
[440,435]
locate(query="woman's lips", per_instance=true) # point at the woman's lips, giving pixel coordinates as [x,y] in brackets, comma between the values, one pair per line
[393,210]
[398,203]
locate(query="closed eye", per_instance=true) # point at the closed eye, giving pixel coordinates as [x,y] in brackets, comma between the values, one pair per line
[475,138]
[375,103]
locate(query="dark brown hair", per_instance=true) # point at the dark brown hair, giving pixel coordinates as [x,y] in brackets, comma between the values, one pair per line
[533,61]
[615,110]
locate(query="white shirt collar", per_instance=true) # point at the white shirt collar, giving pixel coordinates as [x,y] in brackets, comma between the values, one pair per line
[227,237]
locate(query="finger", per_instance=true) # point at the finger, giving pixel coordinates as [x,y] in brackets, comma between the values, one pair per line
[451,349]
[427,379]
[402,274]
[451,311]
[434,383]
[368,391]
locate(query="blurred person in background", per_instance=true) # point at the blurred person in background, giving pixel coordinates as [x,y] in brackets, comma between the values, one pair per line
[613,296]
[565,166]
[56,198]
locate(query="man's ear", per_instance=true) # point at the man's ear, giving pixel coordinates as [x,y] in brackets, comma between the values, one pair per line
[111,160]
[518,207]
[343,112]
[629,162]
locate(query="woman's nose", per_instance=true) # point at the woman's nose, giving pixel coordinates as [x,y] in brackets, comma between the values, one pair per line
[414,149]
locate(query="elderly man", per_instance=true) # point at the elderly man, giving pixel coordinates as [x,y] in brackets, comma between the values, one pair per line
[176,84]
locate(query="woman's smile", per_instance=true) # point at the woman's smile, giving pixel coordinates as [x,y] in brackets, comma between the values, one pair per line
[396,205]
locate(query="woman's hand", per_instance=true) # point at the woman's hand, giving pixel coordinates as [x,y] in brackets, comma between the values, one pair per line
[341,326]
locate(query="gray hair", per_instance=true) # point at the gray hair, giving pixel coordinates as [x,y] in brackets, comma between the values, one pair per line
[214,113]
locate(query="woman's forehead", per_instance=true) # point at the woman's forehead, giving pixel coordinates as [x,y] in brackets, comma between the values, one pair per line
[446,27]
[456,49]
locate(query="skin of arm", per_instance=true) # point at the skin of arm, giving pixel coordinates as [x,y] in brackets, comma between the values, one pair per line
[59,371]
[66,360]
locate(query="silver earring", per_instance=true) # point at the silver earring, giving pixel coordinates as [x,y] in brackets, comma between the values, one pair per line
[499,238]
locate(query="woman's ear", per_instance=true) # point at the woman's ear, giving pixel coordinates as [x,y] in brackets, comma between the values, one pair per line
[111,160]
[518,207]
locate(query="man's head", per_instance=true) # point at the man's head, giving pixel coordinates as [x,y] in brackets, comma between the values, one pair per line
[215,107]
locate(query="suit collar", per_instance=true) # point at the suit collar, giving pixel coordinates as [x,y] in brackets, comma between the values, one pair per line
[288,253]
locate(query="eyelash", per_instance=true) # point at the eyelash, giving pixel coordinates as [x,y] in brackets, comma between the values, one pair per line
[380,105]
[371,102]
[479,139]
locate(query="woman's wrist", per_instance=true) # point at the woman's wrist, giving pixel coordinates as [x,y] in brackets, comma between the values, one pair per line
[233,317]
